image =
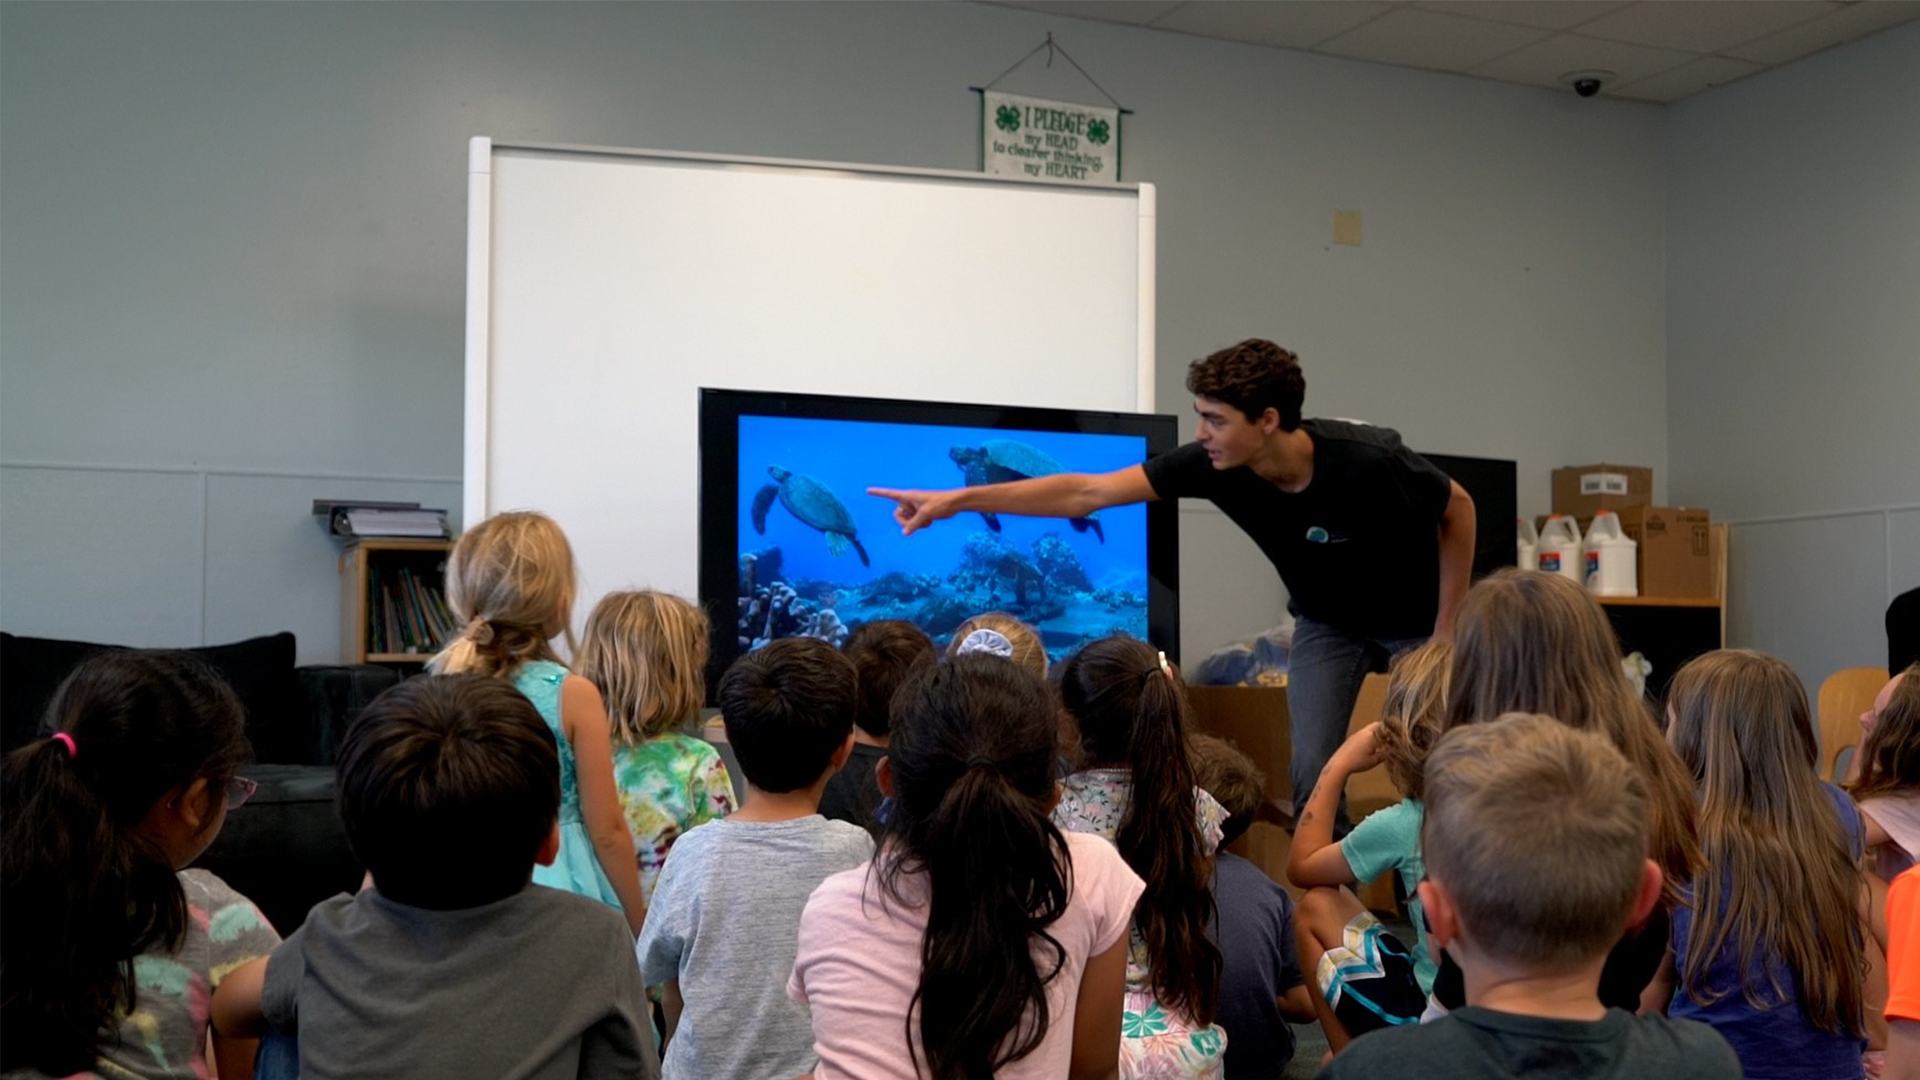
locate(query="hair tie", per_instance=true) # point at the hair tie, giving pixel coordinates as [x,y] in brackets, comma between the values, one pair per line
[1165,668]
[479,631]
[991,642]
[66,740]
[981,761]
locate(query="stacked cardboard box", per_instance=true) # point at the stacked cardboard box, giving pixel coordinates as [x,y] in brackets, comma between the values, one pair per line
[1674,549]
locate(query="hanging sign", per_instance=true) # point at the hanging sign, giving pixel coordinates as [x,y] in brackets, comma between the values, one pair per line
[1049,140]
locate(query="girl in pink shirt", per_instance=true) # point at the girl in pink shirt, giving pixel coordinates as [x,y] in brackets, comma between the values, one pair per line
[981,939]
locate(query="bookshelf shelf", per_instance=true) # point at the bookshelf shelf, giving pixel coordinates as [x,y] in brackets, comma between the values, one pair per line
[392,606]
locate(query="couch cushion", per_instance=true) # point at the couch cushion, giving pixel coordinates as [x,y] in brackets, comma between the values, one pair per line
[260,670]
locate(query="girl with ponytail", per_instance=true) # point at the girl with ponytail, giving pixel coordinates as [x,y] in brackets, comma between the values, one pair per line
[110,952]
[511,580]
[981,941]
[1139,792]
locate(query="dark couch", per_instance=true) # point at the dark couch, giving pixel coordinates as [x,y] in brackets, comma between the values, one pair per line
[285,848]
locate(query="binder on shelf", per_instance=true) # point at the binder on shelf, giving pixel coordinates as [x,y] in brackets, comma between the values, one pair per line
[349,520]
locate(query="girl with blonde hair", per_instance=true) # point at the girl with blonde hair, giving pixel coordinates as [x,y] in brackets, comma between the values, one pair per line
[646,652]
[1028,651]
[510,579]
[1527,641]
[1767,941]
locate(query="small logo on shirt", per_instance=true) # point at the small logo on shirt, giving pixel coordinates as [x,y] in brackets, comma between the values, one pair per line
[1318,535]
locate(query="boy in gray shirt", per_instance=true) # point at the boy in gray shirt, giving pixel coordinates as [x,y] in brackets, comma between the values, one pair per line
[724,923]
[1535,842]
[452,963]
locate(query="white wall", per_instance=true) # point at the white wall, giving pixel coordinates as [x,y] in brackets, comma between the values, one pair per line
[1794,343]
[232,240]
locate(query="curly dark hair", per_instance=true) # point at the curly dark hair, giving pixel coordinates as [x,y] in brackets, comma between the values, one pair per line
[1253,376]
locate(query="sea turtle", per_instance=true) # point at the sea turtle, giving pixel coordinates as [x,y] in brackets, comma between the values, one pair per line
[997,461]
[810,501]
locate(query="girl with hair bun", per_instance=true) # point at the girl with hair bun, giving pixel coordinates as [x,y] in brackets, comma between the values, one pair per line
[511,578]
[981,941]
[1139,791]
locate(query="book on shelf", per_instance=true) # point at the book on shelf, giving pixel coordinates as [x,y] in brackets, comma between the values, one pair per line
[407,612]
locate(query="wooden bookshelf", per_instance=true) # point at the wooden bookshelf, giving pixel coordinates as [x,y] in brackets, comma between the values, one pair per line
[1659,601]
[364,565]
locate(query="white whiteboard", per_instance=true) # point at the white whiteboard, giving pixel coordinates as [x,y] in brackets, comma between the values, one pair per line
[604,287]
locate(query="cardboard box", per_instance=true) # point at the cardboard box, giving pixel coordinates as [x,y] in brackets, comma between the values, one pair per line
[1676,549]
[1585,490]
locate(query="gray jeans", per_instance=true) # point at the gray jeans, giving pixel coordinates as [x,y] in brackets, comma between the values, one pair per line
[1324,673]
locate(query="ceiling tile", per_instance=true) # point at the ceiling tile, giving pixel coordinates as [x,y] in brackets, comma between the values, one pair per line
[1543,63]
[1689,78]
[1851,22]
[1540,14]
[1703,26]
[1428,39]
[1288,25]
[1135,12]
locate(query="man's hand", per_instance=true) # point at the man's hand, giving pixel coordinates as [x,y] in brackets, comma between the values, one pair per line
[1360,752]
[915,510]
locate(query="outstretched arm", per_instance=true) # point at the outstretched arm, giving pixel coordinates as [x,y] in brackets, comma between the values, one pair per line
[1068,495]
[1457,527]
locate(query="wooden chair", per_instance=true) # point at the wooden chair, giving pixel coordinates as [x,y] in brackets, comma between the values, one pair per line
[1843,697]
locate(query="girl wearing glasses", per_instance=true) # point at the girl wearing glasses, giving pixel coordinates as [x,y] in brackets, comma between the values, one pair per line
[112,951]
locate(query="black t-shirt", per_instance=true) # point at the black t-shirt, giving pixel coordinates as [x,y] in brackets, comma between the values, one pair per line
[853,792]
[1358,549]
[1481,1044]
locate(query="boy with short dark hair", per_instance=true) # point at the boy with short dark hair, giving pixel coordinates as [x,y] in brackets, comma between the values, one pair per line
[452,963]
[723,928]
[882,652]
[1261,984]
[1535,841]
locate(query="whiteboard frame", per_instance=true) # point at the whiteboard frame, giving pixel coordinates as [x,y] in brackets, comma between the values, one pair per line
[476,456]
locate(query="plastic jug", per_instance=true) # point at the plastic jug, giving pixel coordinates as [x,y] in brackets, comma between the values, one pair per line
[1560,549]
[1610,558]
[1527,545]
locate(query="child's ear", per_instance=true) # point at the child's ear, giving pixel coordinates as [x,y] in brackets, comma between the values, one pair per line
[841,755]
[1443,919]
[193,805]
[1643,901]
[883,776]
[550,847]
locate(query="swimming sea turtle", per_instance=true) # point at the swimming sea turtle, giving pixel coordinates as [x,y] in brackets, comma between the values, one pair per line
[810,501]
[997,461]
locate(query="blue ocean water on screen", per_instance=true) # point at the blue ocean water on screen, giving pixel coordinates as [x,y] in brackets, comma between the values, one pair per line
[802,530]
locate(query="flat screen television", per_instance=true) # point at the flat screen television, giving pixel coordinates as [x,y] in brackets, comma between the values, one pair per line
[1496,501]
[791,543]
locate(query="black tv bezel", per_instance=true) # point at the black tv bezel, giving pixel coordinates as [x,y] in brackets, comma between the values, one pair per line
[719,512]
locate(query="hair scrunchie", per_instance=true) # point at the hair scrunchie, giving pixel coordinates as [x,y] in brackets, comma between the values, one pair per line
[65,740]
[991,642]
[479,631]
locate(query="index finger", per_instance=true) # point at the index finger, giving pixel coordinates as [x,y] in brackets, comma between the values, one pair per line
[888,493]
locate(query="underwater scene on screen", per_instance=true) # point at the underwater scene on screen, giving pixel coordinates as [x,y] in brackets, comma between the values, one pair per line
[818,556]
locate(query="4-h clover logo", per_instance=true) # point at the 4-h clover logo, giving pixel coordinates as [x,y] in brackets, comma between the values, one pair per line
[1007,119]
[1098,132]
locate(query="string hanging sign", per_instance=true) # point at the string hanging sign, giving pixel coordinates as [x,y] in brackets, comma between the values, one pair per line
[1049,140]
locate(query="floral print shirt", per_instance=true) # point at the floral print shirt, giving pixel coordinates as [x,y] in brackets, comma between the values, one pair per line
[1155,1043]
[668,784]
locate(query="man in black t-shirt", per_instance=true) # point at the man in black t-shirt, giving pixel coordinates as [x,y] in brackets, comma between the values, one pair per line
[1373,543]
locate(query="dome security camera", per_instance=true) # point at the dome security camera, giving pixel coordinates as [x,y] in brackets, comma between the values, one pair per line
[1587,83]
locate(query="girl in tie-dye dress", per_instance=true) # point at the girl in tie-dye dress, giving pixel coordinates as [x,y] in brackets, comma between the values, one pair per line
[647,652]
[1139,792]
[113,954]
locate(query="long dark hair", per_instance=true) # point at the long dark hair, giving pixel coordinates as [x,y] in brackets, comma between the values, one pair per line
[972,761]
[1132,715]
[83,892]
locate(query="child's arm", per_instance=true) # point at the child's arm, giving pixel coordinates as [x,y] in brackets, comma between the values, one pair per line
[1658,993]
[671,1005]
[584,717]
[1096,1015]
[236,1002]
[1296,1005]
[1315,859]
